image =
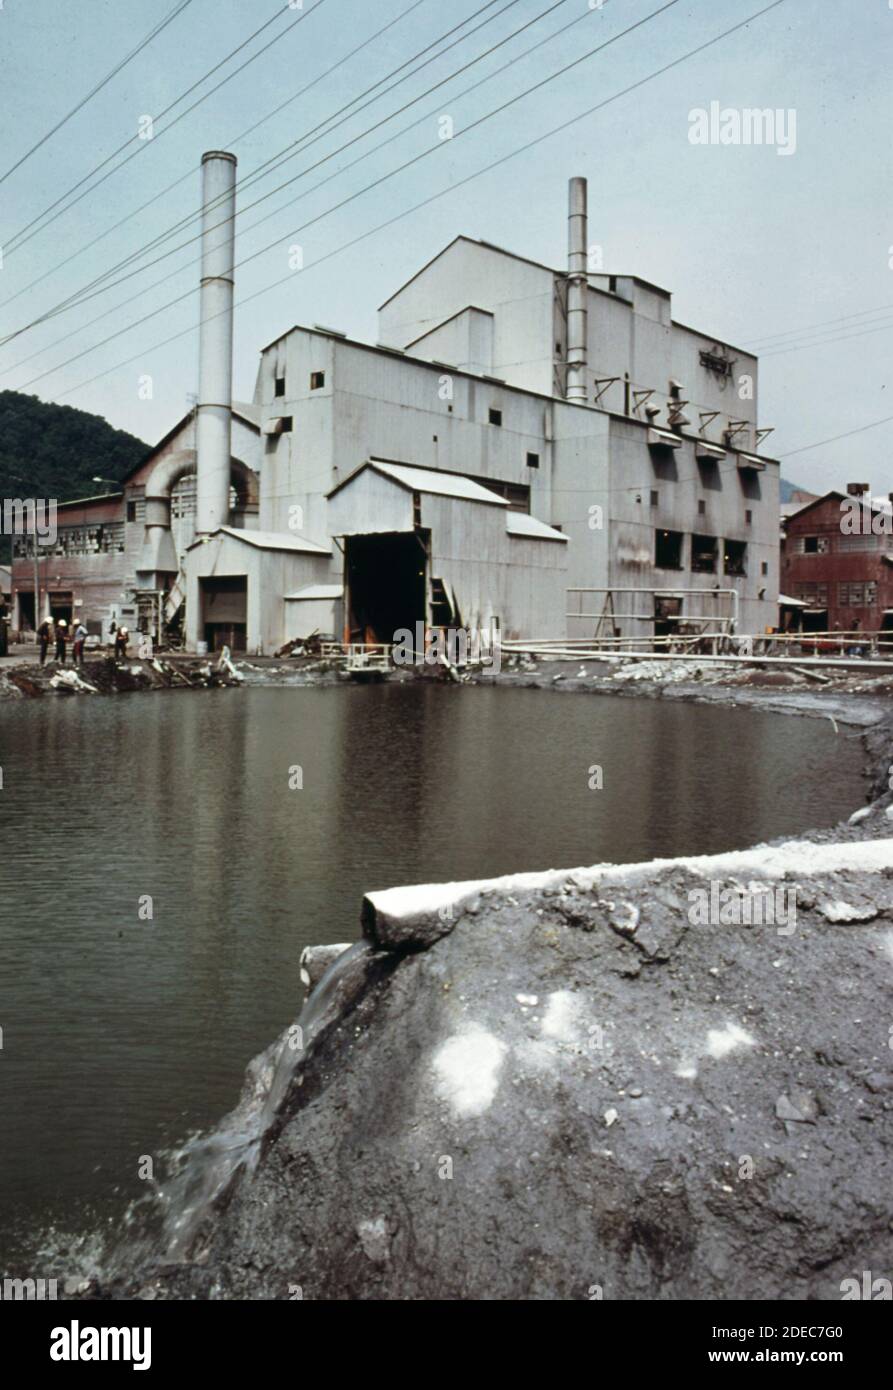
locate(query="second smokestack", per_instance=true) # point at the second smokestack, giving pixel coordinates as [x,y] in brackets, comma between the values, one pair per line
[577,290]
[214,408]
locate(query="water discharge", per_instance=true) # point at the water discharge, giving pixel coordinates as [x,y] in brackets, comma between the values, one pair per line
[206,1165]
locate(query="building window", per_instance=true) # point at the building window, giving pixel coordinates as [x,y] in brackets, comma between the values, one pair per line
[131,511]
[735,557]
[317,381]
[654,499]
[850,543]
[533,460]
[814,594]
[668,550]
[495,416]
[416,509]
[748,517]
[702,506]
[857,595]
[279,386]
[764,568]
[703,554]
[516,494]
[815,545]
[287,424]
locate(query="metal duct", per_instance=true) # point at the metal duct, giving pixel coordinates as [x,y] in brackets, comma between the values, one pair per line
[577,290]
[214,409]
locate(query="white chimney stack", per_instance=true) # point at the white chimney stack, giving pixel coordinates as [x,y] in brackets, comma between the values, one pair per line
[214,408]
[577,290]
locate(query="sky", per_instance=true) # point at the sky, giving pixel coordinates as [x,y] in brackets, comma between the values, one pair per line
[757,246]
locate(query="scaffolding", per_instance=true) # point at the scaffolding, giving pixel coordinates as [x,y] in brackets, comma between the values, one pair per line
[707,624]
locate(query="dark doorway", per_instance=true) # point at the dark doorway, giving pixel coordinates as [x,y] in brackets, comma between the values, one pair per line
[26,611]
[667,612]
[62,605]
[815,620]
[385,585]
[224,603]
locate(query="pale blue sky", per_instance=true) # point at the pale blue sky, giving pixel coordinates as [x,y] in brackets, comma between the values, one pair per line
[751,244]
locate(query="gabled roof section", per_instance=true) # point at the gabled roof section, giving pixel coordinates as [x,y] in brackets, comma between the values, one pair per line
[472,241]
[246,411]
[469,308]
[267,540]
[428,480]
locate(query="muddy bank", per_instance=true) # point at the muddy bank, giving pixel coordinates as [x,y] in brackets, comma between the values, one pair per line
[573,1085]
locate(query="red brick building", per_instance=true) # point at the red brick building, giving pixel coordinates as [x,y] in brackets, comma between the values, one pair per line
[89,571]
[837,557]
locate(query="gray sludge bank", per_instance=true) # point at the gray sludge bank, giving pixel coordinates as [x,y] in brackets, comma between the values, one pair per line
[565,1086]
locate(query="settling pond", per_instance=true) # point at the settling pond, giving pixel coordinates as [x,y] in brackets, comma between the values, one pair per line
[123,1035]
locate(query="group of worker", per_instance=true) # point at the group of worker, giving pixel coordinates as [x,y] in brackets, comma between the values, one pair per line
[56,632]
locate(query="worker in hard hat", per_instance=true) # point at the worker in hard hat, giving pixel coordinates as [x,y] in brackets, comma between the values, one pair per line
[45,637]
[121,638]
[80,637]
[61,639]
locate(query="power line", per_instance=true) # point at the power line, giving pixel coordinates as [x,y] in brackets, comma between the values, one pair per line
[377,182]
[178,9]
[20,238]
[90,290]
[835,438]
[808,328]
[451,188]
[150,202]
[824,342]
[488,77]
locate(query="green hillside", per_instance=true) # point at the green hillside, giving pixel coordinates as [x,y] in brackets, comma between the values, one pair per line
[54,451]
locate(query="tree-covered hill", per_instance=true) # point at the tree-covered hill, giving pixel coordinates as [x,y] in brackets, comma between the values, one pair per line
[54,451]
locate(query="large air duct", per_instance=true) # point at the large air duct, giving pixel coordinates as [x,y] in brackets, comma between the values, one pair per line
[214,409]
[577,290]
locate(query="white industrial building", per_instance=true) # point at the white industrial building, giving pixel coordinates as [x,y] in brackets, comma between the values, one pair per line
[519,435]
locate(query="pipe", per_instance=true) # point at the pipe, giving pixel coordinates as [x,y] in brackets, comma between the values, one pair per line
[577,290]
[214,409]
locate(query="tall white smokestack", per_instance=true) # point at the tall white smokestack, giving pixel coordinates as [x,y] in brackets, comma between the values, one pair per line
[577,290]
[215,374]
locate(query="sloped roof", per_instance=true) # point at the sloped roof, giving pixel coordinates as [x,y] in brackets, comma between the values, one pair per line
[317,591]
[520,524]
[430,480]
[268,540]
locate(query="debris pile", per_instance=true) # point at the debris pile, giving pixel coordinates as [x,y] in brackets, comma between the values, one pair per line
[106,676]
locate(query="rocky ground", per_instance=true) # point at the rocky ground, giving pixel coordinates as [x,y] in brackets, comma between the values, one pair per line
[574,1086]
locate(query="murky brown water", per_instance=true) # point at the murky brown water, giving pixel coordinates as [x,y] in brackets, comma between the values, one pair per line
[122,1035]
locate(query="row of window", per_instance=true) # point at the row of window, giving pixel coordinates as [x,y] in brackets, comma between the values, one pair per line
[669,551]
[825,545]
[859,594]
[107,539]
